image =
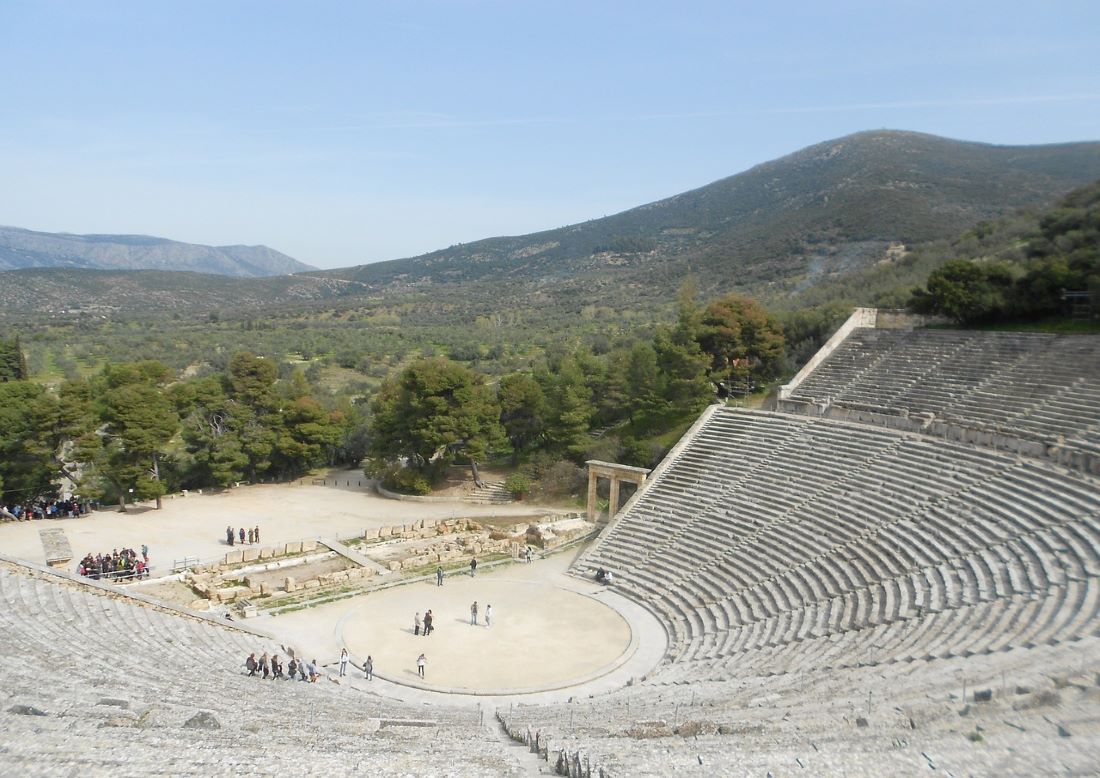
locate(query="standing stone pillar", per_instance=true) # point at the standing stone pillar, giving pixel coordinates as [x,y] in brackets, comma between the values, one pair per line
[591,495]
[613,503]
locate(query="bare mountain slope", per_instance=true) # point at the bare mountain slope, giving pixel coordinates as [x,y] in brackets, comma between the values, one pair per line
[21,249]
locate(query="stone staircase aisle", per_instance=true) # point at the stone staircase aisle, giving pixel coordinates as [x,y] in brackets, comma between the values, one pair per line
[493,493]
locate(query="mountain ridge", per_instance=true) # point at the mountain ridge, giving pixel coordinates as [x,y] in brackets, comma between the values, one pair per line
[774,230]
[22,249]
[828,207]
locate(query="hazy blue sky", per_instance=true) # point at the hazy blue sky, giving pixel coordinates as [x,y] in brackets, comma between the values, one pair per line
[343,133]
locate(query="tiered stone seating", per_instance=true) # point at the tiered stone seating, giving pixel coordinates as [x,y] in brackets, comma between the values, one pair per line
[858,536]
[907,720]
[1034,386]
[119,681]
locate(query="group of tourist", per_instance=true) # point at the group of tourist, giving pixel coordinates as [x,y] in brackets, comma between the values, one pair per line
[273,667]
[44,509]
[428,627]
[117,565]
[244,535]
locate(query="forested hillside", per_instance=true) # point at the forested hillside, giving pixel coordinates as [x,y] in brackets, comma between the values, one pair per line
[831,208]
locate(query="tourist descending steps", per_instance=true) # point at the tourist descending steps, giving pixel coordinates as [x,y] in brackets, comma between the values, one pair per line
[264,666]
[343,662]
[421,661]
[473,614]
[276,668]
[291,668]
[368,668]
[252,665]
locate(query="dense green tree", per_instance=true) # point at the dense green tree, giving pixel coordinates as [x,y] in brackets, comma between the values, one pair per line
[645,387]
[430,411]
[13,362]
[140,421]
[522,411]
[28,441]
[569,407]
[965,291]
[743,341]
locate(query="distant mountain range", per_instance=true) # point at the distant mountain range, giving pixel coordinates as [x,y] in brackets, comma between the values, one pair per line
[781,227]
[20,249]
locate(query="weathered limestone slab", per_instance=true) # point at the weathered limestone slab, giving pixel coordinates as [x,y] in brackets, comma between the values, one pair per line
[294,547]
[251,554]
[309,545]
[234,557]
[265,553]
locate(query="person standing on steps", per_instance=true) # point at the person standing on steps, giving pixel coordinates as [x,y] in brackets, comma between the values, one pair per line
[473,567]
[473,614]
[264,667]
[420,662]
[488,614]
[368,668]
[439,576]
[251,665]
[343,662]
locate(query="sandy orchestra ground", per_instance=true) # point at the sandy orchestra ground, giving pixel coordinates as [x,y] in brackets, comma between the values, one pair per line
[194,526]
[548,631]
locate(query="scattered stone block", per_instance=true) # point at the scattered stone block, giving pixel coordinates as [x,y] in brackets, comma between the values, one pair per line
[354,573]
[370,534]
[1062,731]
[394,565]
[313,583]
[385,532]
[309,545]
[118,721]
[861,722]
[294,548]
[251,554]
[983,695]
[114,702]
[265,588]
[234,558]
[202,720]
[265,553]
[26,710]
[290,584]
[696,728]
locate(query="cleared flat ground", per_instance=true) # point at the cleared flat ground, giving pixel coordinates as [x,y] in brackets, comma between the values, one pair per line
[194,526]
[542,635]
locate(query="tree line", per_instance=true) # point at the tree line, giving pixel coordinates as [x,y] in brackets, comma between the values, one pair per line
[138,430]
[435,412]
[135,431]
